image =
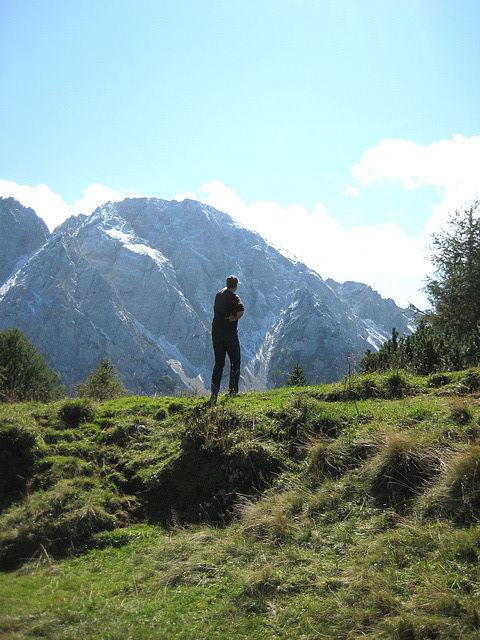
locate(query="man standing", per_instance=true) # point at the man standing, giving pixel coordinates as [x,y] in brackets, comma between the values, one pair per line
[228,309]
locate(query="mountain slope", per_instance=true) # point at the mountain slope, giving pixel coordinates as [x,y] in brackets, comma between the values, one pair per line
[23,232]
[380,315]
[136,281]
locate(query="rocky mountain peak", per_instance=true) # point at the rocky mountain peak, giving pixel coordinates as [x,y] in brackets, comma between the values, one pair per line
[23,232]
[136,281]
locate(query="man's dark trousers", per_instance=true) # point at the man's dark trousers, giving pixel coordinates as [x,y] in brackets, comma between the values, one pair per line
[225,341]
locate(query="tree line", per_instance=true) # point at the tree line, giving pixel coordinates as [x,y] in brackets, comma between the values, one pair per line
[447,337]
[26,376]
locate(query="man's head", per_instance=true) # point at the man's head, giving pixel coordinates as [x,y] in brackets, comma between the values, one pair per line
[232,282]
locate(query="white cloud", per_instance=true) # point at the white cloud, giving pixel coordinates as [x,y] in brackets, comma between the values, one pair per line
[441,164]
[451,166]
[97,194]
[348,190]
[41,199]
[51,207]
[382,256]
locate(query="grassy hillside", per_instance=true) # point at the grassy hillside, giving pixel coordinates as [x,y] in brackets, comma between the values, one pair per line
[339,511]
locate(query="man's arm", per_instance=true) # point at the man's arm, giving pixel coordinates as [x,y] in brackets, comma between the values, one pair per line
[234,317]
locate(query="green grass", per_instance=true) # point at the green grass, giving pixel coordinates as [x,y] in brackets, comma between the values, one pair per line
[335,511]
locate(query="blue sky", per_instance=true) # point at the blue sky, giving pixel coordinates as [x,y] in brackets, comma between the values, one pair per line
[344,131]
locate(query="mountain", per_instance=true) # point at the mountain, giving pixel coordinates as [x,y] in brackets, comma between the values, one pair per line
[136,281]
[380,315]
[22,233]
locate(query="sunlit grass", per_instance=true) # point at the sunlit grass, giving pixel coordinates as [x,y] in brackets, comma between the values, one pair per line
[286,514]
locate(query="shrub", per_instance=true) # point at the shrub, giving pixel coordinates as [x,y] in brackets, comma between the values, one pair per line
[25,374]
[103,384]
[297,377]
[396,384]
[438,380]
[367,386]
[175,407]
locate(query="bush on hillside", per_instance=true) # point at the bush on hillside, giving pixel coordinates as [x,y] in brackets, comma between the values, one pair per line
[24,372]
[103,384]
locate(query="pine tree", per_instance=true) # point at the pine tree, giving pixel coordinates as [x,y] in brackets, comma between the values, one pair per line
[297,378]
[447,336]
[24,372]
[455,293]
[103,384]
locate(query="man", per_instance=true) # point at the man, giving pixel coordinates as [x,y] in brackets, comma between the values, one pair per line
[228,309]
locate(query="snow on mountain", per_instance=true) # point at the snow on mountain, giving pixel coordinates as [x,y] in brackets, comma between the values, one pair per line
[136,281]
[379,315]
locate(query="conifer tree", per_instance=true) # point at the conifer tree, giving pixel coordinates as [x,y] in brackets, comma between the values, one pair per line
[448,335]
[103,384]
[297,378]
[455,293]
[24,372]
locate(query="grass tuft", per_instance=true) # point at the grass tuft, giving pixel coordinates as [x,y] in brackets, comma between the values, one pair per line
[456,494]
[400,470]
[73,412]
[332,511]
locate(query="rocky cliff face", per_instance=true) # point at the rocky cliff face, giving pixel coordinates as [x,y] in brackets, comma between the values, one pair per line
[136,281]
[380,315]
[23,232]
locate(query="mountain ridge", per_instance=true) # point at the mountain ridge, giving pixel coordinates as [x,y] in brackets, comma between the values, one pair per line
[135,280]
[26,233]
